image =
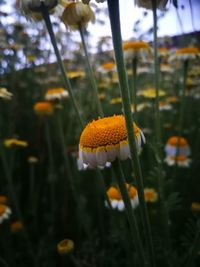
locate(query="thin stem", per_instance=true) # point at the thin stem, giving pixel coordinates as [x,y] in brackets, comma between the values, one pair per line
[135,233]
[164,211]
[193,250]
[91,73]
[113,7]
[134,69]
[67,84]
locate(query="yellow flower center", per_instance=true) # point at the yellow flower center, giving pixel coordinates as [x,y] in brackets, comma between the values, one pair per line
[176,140]
[105,131]
[136,45]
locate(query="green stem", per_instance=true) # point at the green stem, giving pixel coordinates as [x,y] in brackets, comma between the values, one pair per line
[135,233]
[67,84]
[91,73]
[134,69]
[52,173]
[164,211]
[113,7]
[66,158]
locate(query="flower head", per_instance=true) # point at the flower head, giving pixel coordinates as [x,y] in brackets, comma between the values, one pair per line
[177,144]
[76,15]
[115,198]
[161,4]
[43,108]
[35,5]
[54,94]
[75,74]
[105,139]
[5,212]
[195,207]
[107,67]
[151,93]
[16,226]
[14,143]
[186,53]
[5,94]
[150,195]
[136,49]
[32,160]
[65,246]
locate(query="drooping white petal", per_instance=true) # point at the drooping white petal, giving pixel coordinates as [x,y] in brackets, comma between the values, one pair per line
[101,157]
[121,206]
[112,152]
[124,151]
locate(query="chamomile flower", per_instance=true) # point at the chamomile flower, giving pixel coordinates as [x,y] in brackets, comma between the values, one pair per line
[115,198]
[13,142]
[43,108]
[177,144]
[76,15]
[5,212]
[136,49]
[5,94]
[54,94]
[186,53]
[103,140]
[65,246]
[150,195]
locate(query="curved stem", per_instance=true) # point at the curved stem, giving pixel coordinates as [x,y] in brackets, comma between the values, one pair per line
[135,233]
[113,7]
[91,73]
[67,84]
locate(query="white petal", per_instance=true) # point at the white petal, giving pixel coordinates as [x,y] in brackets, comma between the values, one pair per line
[101,157]
[112,153]
[114,203]
[124,151]
[121,205]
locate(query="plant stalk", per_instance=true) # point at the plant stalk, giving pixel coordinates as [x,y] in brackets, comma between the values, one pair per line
[113,7]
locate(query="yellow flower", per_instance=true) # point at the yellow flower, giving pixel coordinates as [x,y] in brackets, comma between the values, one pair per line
[102,96]
[105,139]
[14,143]
[65,246]
[163,51]
[75,74]
[77,15]
[16,226]
[5,94]
[150,195]
[5,212]
[186,53]
[116,100]
[56,94]
[43,108]
[3,199]
[172,99]
[151,93]
[136,49]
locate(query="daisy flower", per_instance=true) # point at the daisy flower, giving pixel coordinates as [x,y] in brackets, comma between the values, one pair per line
[54,94]
[175,143]
[136,49]
[105,139]
[5,212]
[181,161]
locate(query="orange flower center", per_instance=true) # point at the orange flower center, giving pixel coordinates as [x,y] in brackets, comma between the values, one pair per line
[108,65]
[105,131]
[2,209]
[188,50]
[179,158]
[135,45]
[177,141]
[113,193]
[55,91]
[43,106]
